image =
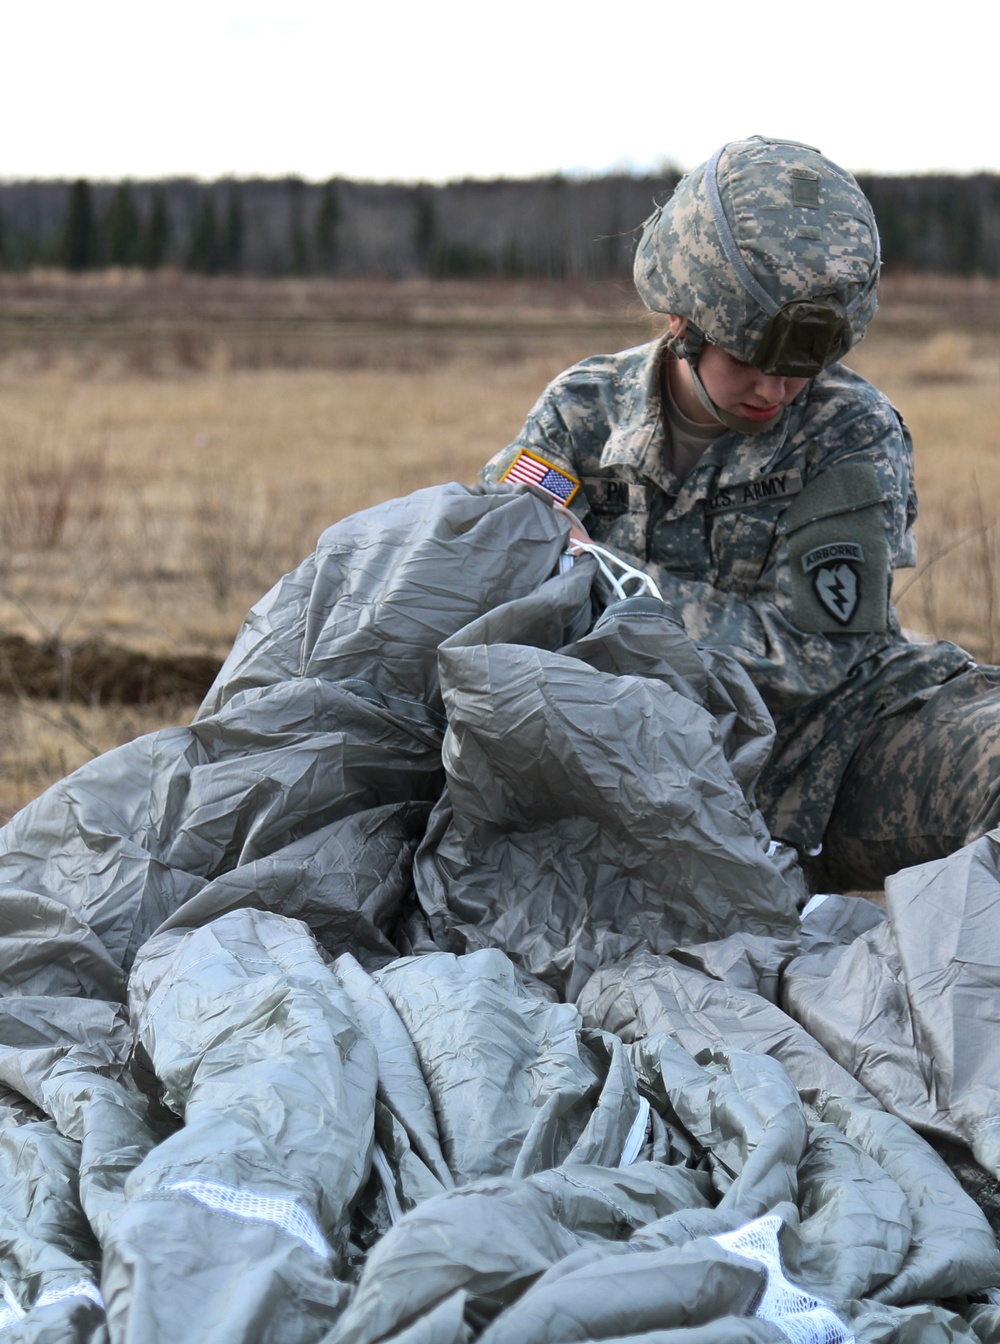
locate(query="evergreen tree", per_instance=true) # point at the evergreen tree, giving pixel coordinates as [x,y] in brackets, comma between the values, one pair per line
[27,245]
[557,263]
[512,261]
[607,256]
[300,248]
[328,227]
[154,244]
[232,233]
[963,240]
[80,240]
[121,229]
[425,228]
[204,251]
[893,213]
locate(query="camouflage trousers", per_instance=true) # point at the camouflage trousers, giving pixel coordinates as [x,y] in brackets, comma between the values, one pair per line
[924,781]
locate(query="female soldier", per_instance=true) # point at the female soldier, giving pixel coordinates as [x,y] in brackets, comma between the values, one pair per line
[769,491]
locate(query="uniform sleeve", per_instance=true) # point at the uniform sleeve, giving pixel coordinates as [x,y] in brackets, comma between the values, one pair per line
[544,432]
[857,426]
[567,427]
[820,609]
[906,552]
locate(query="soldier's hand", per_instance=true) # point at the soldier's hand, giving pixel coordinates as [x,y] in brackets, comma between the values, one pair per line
[577,531]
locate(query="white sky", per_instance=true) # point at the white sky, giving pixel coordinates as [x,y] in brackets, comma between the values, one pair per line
[451,88]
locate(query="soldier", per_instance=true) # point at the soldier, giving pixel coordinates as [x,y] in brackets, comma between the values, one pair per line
[769,491]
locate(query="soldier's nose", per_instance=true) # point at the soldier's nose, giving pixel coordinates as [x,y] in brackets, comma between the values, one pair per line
[770,388]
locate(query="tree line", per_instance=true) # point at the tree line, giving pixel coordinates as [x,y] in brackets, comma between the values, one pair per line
[550,227]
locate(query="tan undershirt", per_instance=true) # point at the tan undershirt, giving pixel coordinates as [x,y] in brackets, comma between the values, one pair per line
[685,440]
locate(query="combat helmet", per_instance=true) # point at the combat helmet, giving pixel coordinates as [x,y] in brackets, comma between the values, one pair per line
[770,251]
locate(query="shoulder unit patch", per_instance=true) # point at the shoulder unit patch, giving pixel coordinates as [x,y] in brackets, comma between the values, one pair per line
[838,587]
[838,547]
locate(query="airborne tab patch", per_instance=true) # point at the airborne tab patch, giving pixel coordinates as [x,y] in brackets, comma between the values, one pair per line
[530,469]
[831,553]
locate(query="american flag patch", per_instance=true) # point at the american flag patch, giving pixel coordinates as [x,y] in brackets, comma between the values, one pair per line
[528,469]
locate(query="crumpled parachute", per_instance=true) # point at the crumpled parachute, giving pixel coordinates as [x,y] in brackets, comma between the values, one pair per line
[441,983]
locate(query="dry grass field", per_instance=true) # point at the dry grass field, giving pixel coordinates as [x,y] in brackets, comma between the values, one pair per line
[169,446]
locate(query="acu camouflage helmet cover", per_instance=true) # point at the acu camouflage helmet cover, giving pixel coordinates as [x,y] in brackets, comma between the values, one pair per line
[770,251]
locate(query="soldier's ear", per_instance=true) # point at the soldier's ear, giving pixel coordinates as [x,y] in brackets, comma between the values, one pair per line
[677,325]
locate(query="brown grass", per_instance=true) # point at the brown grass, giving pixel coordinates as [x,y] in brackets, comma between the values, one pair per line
[168,447]
[946,382]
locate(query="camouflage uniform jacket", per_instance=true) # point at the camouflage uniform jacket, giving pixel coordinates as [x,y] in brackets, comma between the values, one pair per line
[779,548]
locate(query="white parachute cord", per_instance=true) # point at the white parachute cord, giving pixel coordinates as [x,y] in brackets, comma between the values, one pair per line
[605,559]
[636,1136]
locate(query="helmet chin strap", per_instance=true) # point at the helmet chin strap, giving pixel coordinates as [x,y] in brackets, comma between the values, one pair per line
[737,422]
[689,347]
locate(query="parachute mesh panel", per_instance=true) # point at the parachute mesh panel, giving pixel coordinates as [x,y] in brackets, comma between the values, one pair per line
[283,1214]
[801,1318]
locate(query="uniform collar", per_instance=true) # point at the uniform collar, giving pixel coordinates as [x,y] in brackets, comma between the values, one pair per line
[637,436]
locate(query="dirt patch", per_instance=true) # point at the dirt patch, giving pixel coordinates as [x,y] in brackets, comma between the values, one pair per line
[94,672]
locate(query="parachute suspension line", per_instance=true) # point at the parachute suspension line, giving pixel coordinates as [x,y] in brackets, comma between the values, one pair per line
[629,574]
[637,1134]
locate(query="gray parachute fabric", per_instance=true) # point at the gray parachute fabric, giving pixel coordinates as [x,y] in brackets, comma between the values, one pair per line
[441,983]
[931,972]
[567,846]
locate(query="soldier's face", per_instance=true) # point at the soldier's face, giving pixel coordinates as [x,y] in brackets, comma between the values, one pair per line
[742,389]
[735,387]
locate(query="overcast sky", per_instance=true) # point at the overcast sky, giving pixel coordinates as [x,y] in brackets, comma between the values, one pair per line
[447,89]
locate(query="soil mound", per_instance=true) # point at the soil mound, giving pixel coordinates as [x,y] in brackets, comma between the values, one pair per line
[96,672]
